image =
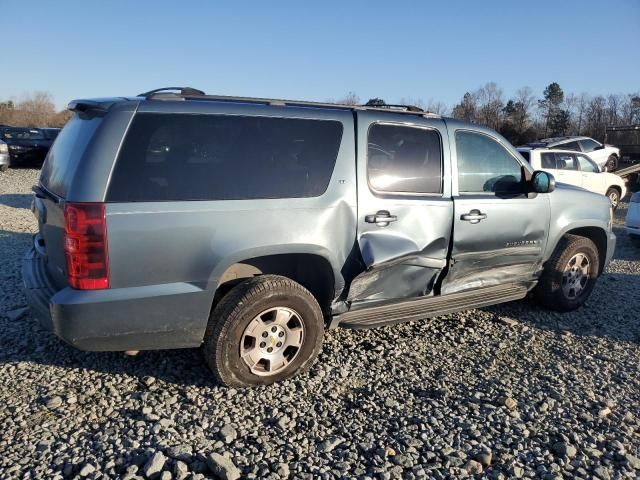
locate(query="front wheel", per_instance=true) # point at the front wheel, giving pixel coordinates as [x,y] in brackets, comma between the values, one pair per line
[612,163]
[614,197]
[266,329]
[570,274]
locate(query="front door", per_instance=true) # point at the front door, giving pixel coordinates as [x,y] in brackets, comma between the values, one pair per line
[404,207]
[592,179]
[499,233]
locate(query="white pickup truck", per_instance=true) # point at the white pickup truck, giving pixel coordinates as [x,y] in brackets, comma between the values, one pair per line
[576,169]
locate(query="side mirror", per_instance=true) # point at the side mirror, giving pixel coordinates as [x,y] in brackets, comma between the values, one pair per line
[542,182]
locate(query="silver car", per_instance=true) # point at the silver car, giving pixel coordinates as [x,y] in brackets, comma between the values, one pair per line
[248,226]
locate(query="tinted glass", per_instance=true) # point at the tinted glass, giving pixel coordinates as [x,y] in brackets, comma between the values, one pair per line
[485,166]
[526,156]
[588,145]
[67,150]
[404,159]
[566,161]
[587,165]
[548,160]
[224,157]
[569,146]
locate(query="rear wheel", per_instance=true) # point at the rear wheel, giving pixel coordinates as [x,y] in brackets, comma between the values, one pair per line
[612,163]
[4,168]
[266,329]
[570,274]
[614,196]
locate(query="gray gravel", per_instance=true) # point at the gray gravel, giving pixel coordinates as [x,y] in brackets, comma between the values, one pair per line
[506,391]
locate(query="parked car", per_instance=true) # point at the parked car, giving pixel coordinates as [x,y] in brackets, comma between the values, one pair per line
[576,169]
[249,226]
[604,155]
[4,156]
[632,223]
[26,146]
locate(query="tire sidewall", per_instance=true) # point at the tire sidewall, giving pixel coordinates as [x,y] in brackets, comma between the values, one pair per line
[594,261]
[228,360]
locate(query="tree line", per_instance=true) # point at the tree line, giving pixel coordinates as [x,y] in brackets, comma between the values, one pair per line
[33,110]
[521,118]
[524,117]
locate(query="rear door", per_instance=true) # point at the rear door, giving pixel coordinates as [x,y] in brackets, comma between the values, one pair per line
[404,206]
[499,233]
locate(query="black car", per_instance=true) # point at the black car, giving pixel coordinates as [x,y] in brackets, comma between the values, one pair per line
[27,146]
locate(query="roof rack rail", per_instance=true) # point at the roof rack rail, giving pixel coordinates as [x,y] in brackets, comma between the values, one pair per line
[410,108]
[183,91]
[188,93]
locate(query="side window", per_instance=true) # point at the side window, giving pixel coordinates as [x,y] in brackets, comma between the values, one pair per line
[569,146]
[548,160]
[587,165]
[566,161]
[588,145]
[404,159]
[224,157]
[485,166]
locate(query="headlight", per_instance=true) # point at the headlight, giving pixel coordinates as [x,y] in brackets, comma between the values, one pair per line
[4,148]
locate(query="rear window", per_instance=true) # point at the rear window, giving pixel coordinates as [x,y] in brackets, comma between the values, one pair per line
[63,158]
[224,157]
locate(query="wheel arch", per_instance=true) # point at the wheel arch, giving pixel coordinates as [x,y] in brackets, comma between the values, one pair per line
[598,236]
[308,267]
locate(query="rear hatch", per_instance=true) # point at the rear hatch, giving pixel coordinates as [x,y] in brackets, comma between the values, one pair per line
[58,171]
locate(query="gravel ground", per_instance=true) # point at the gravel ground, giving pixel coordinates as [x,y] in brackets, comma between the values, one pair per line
[503,392]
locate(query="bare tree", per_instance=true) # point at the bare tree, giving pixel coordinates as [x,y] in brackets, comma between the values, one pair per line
[34,110]
[490,105]
[350,99]
[467,109]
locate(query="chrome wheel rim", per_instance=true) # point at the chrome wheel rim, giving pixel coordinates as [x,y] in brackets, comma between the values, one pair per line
[575,276]
[272,340]
[613,196]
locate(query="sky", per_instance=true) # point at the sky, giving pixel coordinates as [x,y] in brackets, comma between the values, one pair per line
[318,50]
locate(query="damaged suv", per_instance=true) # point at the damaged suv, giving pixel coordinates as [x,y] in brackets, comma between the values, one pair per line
[249,226]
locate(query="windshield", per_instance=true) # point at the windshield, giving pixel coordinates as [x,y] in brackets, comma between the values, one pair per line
[22,134]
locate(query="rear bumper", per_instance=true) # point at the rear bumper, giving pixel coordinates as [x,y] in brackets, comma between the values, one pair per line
[141,318]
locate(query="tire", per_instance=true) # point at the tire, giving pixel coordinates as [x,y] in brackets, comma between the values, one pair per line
[246,314]
[554,288]
[4,168]
[612,163]
[614,196]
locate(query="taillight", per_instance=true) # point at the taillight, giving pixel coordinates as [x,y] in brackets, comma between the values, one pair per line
[4,148]
[85,245]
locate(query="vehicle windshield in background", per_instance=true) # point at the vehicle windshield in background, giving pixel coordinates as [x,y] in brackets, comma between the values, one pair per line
[50,133]
[22,134]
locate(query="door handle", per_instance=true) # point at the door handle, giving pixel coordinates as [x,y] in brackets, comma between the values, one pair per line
[382,218]
[474,216]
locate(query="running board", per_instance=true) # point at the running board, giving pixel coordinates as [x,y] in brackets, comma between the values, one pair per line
[422,308]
